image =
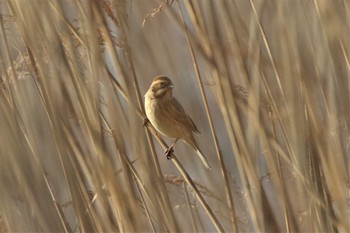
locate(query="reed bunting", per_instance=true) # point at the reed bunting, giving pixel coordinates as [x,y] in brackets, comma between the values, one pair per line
[168,116]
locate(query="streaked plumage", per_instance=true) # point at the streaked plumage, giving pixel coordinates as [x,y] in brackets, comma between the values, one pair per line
[168,116]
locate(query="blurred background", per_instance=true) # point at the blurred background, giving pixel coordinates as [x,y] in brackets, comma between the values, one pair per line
[266,82]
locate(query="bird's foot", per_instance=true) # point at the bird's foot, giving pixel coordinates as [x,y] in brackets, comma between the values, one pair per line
[169,152]
[145,121]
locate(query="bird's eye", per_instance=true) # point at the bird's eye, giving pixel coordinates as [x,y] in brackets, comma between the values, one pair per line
[162,84]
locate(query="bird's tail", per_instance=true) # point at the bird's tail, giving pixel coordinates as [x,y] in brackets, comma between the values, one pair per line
[204,160]
[191,141]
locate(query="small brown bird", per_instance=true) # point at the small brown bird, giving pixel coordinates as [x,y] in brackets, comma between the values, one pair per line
[168,117]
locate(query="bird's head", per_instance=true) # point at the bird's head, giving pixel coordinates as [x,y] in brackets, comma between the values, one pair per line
[161,87]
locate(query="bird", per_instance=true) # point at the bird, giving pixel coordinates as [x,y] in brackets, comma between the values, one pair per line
[169,118]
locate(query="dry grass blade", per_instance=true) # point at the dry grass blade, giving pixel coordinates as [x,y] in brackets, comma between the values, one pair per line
[266,82]
[157,10]
[212,128]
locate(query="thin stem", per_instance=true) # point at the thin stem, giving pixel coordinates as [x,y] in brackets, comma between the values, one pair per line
[228,191]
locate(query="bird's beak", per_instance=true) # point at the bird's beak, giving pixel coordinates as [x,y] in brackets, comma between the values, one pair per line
[171,86]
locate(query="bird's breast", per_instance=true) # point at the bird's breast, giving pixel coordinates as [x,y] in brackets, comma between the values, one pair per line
[161,119]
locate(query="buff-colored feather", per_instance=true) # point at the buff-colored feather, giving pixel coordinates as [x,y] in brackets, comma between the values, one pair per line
[168,116]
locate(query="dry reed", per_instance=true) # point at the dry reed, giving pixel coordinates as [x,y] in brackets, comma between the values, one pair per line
[267,82]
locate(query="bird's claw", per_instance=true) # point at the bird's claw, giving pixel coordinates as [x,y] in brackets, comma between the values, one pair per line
[169,152]
[145,121]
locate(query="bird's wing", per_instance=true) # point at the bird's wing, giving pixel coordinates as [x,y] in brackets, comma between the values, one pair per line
[182,117]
